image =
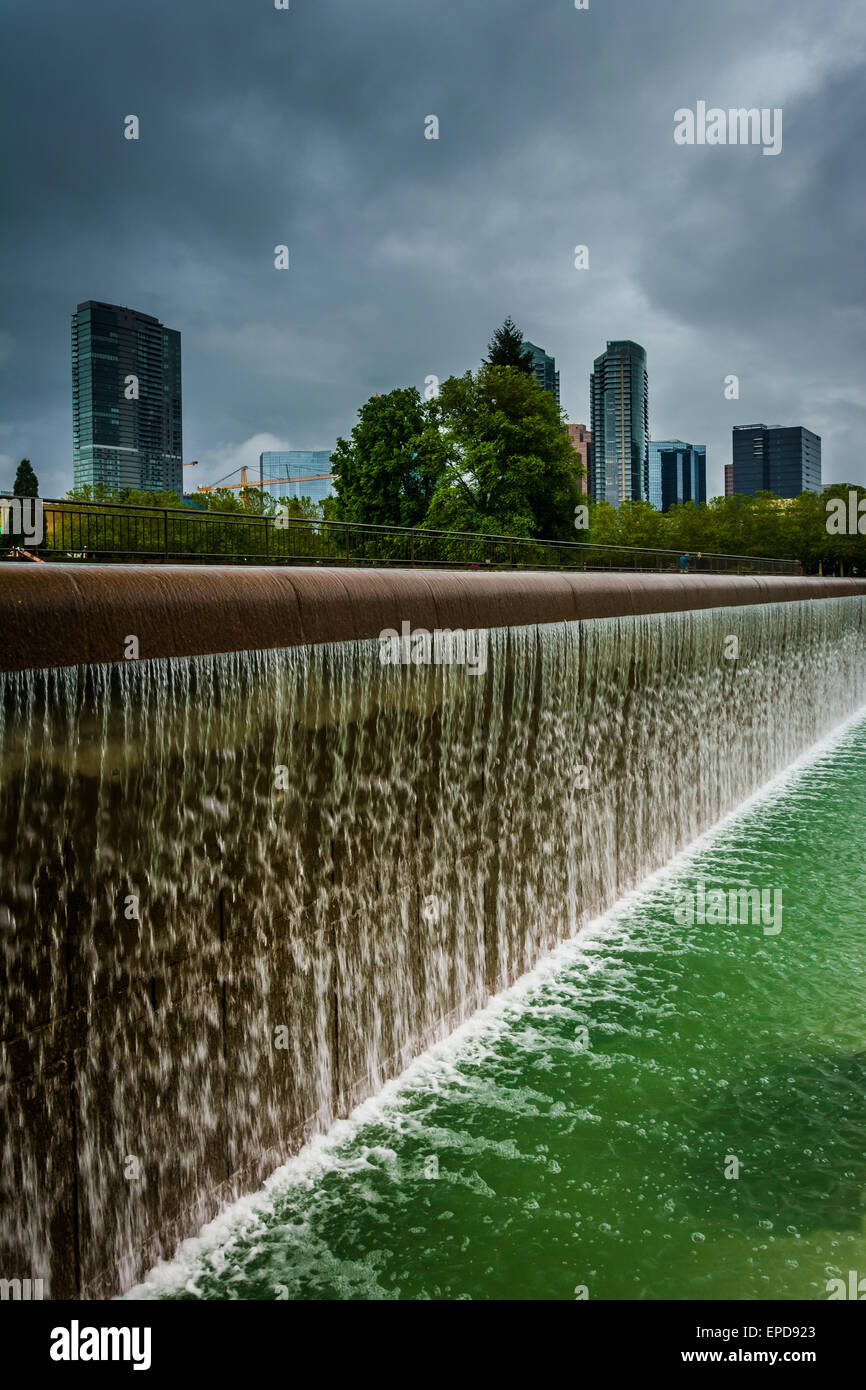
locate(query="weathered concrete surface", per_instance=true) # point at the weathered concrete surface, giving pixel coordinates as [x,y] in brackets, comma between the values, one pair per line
[69,615]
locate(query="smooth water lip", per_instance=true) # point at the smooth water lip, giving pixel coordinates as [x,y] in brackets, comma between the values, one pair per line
[248,1213]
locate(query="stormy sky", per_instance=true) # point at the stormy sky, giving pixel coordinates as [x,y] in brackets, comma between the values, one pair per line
[306,127]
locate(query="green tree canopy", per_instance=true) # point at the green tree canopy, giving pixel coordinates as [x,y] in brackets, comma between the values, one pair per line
[387,473]
[506,349]
[26,483]
[510,465]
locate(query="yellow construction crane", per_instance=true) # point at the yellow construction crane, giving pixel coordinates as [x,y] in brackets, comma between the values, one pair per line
[262,483]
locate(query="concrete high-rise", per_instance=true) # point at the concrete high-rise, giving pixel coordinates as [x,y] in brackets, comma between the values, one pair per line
[619,403]
[785,460]
[677,473]
[544,369]
[127,425]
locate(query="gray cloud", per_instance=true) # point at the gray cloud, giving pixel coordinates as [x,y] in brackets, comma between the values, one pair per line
[556,128]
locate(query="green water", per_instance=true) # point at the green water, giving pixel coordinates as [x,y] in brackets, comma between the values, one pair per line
[528,1158]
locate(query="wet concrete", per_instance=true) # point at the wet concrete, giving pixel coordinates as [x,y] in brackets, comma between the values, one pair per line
[66,615]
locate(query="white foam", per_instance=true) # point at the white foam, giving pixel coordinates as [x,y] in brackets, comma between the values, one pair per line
[438,1066]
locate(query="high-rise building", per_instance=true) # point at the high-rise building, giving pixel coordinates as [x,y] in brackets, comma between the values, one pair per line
[544,369]
[619,403]
[729,480]
[127,427]
[677,473]
[296,473]
[785,460]
[581,440]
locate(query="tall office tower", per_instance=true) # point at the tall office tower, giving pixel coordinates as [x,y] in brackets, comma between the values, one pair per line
[296,473]
[729,480]
[581,440]
[785,460]
[127,425]
[619,403]
[677,473]
[544,369]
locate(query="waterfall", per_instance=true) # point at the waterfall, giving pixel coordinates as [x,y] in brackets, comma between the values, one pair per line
[240,892]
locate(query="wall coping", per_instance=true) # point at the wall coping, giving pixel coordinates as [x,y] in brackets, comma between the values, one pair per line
[73,614]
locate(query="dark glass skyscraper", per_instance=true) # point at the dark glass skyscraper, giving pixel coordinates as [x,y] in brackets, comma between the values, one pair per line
[785,460]
[677,473]
[544,369]
[126,400]
[619,402]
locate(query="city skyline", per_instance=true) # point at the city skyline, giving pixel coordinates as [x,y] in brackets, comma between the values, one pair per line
[406,251]
[121,440]
[137,446]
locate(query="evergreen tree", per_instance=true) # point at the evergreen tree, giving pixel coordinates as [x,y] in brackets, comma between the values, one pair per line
[26,482]
[506,349]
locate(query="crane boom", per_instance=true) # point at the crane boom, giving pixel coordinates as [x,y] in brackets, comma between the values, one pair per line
[302,478]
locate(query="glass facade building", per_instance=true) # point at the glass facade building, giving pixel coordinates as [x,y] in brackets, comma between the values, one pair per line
[619,403]
[544,369]
[785,460]
[677,473]
[127,428]
[296,473]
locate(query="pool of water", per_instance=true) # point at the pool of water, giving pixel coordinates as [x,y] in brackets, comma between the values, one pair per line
[668,1108]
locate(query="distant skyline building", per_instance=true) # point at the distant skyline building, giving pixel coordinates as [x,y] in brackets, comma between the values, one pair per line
[544,369]
[296,473]
[619,406]
[677,473]
[782,459]
[581,440]
[729,480]
[127,418]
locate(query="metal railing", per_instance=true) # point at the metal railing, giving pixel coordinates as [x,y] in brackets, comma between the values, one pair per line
[115,532]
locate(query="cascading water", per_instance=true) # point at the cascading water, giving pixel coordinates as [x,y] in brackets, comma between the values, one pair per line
[240,892]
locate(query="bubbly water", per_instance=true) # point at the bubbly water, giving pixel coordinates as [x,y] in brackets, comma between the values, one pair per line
[575,1139]
[240,893]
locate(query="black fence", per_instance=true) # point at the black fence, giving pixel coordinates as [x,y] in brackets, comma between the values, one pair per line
[106,533]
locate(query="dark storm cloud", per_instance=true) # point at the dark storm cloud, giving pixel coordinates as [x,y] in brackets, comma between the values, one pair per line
[306,127]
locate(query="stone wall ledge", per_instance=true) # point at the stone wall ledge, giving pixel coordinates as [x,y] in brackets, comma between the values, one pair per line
[70,615]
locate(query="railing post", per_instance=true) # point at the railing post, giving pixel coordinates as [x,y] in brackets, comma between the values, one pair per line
[267,541]
[165,534]
[347,540]
[412,547]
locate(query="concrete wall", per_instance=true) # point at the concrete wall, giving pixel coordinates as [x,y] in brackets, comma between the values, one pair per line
[153,1038]
[66,615]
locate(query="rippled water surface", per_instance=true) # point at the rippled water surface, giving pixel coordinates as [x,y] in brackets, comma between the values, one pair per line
[584,1131]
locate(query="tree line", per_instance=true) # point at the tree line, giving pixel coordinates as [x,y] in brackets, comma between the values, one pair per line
[488,452]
